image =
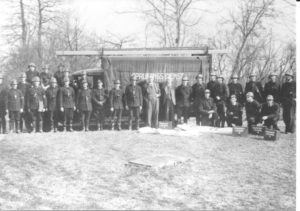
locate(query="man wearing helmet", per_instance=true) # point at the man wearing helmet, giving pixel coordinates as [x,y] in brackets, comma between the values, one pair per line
[31,73]
[45,77]
[221,94]
[236,89]
[272,88]
[255,87]
[23,86]
[36,102]
[52,95]
[3,92]
[14,102]
[116,104]
[270,113]
[197,95]
[59,75]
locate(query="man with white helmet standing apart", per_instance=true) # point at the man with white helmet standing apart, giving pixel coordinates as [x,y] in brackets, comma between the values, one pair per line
[36,103]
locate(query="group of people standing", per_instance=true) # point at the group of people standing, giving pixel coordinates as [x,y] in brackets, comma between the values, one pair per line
[40,96]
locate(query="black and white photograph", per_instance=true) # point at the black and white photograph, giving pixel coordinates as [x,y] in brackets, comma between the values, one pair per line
[148,104]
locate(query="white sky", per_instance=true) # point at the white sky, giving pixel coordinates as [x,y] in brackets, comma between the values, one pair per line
[101,16]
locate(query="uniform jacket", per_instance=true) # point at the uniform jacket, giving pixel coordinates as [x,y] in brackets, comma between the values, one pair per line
[30,75]
[256,88]
[14,100]
[183,94]
[59,75]
[207,105]
[116,98]
[236,109]
[151,92]
[3,93]
[84,100]
[99,96]
[252,109]
[168,95]
[237,90]
[273,89]
[288,93]
[270,111]
[197,93]
[36,95]
[220,90]
[211,86]
[66,97]
[133,96]
[52,98]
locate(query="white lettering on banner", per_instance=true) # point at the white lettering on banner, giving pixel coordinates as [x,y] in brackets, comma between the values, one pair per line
[158,76]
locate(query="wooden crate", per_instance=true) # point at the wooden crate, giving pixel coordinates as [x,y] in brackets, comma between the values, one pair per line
[240,131]
[165,125]
[257,130]
[271,135]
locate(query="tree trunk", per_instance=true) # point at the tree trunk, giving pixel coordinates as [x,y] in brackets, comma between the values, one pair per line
[39,33]
[23,23]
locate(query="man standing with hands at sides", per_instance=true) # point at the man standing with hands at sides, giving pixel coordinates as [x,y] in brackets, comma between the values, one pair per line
[270,113]
[36,104]
[212,84]
[151,96]
[67,104]
[208,110]
[14,104]
[221,94]
[99,99]
[183,94]
[84,105]
[116,105]
[168,101]
[272,88]
[133,102]
[255,87]
[23,86]
[197,95]
[236,89]
[52,96]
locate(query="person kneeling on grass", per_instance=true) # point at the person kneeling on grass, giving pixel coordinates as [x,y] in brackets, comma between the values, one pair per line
[208,110]
[84,105]
[116,105]
[14,102]
[234,112]
[270,113]
[252,110]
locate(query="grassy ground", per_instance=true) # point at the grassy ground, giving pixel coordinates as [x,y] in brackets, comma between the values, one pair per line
[88,171]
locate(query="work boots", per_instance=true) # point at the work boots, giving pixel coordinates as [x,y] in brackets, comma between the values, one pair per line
[17,126]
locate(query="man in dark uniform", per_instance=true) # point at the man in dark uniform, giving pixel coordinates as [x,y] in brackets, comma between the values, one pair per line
[36,104]
[234,112]
[288,101]
[208,110]
[3,92]
[116,104]
[67,104]
[252,110]
[168,101]
[255,87]
[99,97]
[52,95]
[272,88]
[197,95]
[221,94]
[183,94]
[59,75]
[236,89]
[45,77]
[151,96]
[211,84]
[31,73]
[270,113]
[23,86]
[133,101]
[14,102]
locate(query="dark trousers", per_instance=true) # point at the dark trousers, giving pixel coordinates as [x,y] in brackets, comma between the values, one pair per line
[252,120]
[53,119]
[68,117]
[206,121]
[14,120]
[271,123]
[100,115]
[3,122]
[183,111]
[152,112]
[198,115]
[117,113]
[134,112]
[168,110]
[221,114]
[85,119]
[289,117]
[24,121]
[236,120]
[36,119]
